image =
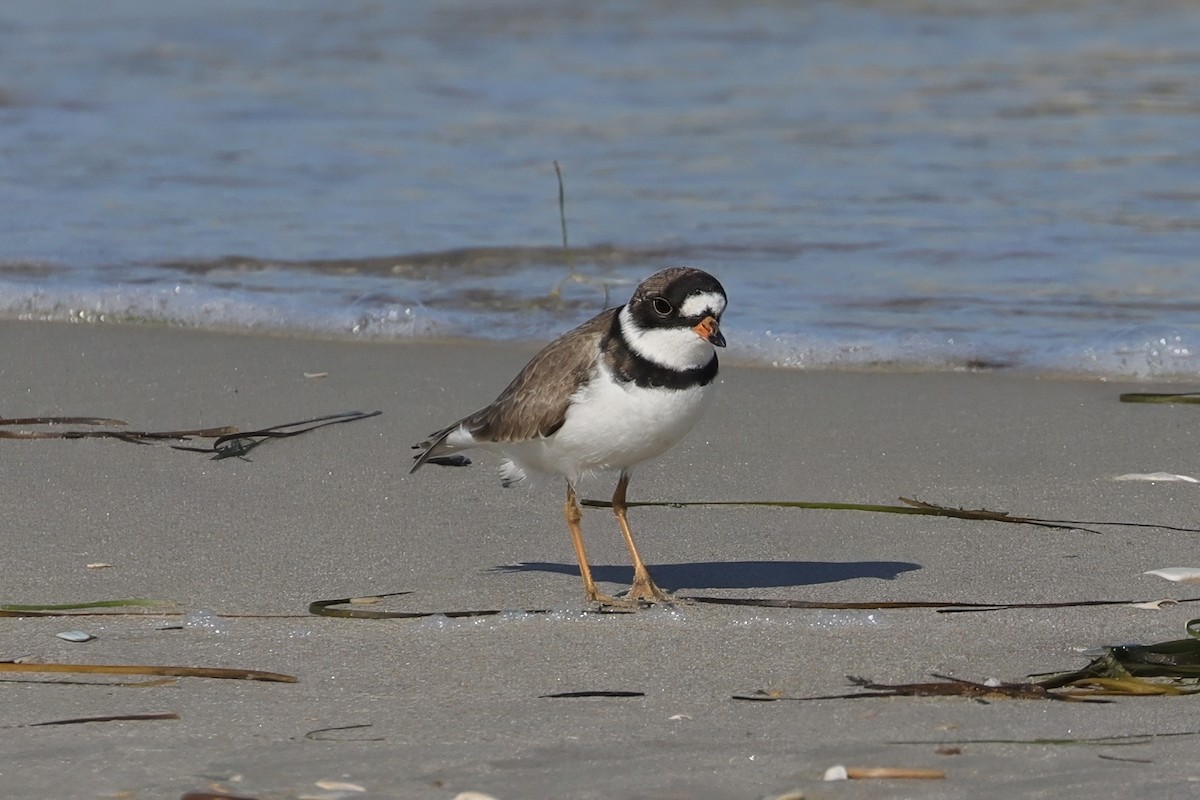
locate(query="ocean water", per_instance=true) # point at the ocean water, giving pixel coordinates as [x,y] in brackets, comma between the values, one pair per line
[913,183]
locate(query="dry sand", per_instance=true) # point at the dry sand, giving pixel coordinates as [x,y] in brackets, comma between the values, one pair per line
[455,705]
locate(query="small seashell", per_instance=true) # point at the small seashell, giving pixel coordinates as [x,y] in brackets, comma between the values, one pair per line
[99,565]
[75,636]
[1177,574]
[473,796]
[1156,476]
[340,786]
[836,773]
[886,773]
[1155,605]
[311,375]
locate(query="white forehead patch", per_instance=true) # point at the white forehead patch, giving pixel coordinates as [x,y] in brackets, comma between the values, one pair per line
[697,304]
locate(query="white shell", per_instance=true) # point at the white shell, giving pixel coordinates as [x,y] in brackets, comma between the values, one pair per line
[75,636]
[340,786]
[1155,605]
[1156,476]
[836,773]
[1177,574]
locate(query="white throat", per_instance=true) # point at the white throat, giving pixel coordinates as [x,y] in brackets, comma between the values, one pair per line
[676,348]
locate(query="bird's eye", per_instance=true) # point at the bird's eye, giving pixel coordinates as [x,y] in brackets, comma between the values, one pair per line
[662,307]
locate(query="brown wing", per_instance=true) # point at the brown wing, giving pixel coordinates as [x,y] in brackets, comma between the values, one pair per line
[535,403]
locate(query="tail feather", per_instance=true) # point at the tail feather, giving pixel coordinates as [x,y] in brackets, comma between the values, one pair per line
[433,448]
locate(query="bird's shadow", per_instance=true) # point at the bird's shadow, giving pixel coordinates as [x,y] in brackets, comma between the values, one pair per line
[732,574]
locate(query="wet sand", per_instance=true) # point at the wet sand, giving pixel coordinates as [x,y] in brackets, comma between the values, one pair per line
[451,705]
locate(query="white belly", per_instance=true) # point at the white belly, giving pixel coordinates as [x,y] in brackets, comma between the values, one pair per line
[612,426]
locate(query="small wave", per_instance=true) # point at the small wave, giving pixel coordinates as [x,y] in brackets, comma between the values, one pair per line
[529,294]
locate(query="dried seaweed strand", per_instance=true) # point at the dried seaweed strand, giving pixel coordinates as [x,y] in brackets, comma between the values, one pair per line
[915,507]
[63,421]
[237,444]
[1160,397]
[591,693]
[150,613]
[1117,740]
[148,669]
[1117,672]
[103,608]
[316,735]
[866,605]
[944,607]
[1177,659]
[964,608]
[994,516]
[945,687]
[137,601]
[135,437]
[325,608]
[229,441]
[102,718]
[146,684]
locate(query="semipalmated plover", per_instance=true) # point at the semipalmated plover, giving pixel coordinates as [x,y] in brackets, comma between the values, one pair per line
[622,388]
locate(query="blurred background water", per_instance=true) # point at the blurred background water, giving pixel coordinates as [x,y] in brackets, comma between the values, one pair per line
[920,183]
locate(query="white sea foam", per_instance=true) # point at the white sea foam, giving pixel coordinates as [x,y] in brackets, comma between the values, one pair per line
[374,307]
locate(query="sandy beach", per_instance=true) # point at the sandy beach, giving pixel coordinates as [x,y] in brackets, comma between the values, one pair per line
[452,705]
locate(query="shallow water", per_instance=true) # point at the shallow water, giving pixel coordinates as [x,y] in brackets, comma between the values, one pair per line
[916,183]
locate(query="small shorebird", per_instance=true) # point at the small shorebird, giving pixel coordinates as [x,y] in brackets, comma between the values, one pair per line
[622,388]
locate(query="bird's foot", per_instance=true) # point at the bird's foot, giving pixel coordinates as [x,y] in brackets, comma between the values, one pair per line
[645,591]
[608,603]
[642,594]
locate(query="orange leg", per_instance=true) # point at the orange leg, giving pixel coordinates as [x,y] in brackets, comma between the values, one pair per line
[643,587]
[574,514]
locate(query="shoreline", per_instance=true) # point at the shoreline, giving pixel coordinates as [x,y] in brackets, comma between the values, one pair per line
[458,705]
[737,358]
